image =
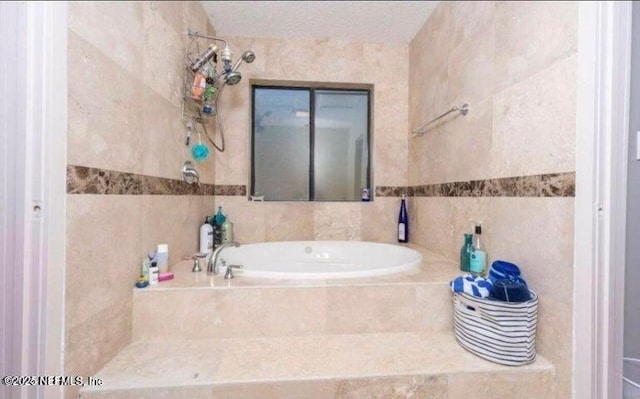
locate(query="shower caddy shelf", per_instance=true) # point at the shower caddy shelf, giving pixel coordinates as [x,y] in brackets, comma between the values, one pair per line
[191,109]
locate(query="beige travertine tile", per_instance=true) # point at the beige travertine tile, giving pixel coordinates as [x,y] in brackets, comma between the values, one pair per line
[163,61]
[114,28]
[315,61]
[357,310]
[163,134]
[288,221]
[337,221]
[434,40]
[537,235]
[257,312]
[361,358]
[105,130]
[271,312]
[517,58]
[470,68]
[195,18]
[92,343]
[534,123]
[102,254]
[170,11]
[321,389]
[251,220]
[459,149]
[380,219]
[504,385]
[191,392]
[470,19]
[430,225]
[534,233]
[174,314]
[432,387]
[187,214]
[434,307]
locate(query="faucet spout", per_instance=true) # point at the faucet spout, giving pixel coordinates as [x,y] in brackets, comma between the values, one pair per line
[212,266]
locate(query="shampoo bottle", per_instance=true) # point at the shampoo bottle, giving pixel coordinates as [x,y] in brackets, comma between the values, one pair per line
[227,231]
[206,237]
[465,253]
[153,273]
[478,258]
[163,258]
[403,221]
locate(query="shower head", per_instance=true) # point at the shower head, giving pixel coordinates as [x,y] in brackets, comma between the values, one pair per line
[232,78]
[248,57]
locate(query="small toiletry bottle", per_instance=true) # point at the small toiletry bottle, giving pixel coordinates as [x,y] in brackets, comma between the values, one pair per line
[145,269]
[478,257]
[199,84]
[465,253]
[153,274]
[206,237]
[227,231]
[163,258]
[366,195]
[403,221]
[218,220]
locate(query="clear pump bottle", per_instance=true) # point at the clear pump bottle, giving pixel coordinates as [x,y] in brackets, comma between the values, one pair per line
[478,258]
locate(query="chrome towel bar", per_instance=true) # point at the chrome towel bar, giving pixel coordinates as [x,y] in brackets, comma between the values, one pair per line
[463,109]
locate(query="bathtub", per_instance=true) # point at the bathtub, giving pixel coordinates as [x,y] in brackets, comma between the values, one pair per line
[321,259]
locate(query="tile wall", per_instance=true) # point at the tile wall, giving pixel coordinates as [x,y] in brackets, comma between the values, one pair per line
[332,61]
[125,193]
[515,63]
[517,74]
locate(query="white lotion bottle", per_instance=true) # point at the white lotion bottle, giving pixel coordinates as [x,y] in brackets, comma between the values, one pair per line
[206,237]
[163,258]
[153,274]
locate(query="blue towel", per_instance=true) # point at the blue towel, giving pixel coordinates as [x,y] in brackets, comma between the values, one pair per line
[503,270]
[473,285]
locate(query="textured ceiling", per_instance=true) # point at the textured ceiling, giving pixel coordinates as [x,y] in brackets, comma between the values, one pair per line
[362,21]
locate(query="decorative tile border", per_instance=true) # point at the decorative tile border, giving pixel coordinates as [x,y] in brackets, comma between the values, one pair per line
[231,189]
[86,180]
[547,185]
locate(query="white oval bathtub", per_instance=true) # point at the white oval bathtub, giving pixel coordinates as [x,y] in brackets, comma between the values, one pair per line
[321,259]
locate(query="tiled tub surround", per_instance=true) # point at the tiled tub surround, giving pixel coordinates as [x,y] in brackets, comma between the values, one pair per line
[124,66]
[385,337]
[519,76]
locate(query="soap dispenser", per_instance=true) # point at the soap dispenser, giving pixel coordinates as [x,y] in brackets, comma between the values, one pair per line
[206,237]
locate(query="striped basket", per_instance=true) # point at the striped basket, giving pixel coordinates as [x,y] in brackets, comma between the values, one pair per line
[501,332]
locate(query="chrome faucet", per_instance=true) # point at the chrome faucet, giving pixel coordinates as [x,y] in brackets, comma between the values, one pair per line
[212,266]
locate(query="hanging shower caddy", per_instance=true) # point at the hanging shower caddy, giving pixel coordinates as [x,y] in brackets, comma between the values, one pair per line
[204,82]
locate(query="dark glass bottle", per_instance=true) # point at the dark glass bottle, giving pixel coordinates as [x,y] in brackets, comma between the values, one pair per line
[403,221]
[465,253]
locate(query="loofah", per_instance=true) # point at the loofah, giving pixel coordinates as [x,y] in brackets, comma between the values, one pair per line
[200,152]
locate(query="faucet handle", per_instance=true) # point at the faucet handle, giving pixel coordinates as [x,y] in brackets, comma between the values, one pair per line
[196,265]
[229,273]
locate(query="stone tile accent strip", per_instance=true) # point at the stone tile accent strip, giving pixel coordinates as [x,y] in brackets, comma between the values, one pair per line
[86,180]
[547,185]
[230,189]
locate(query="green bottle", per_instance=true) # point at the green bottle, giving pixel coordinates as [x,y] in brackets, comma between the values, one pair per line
[465,253]
[478,262]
